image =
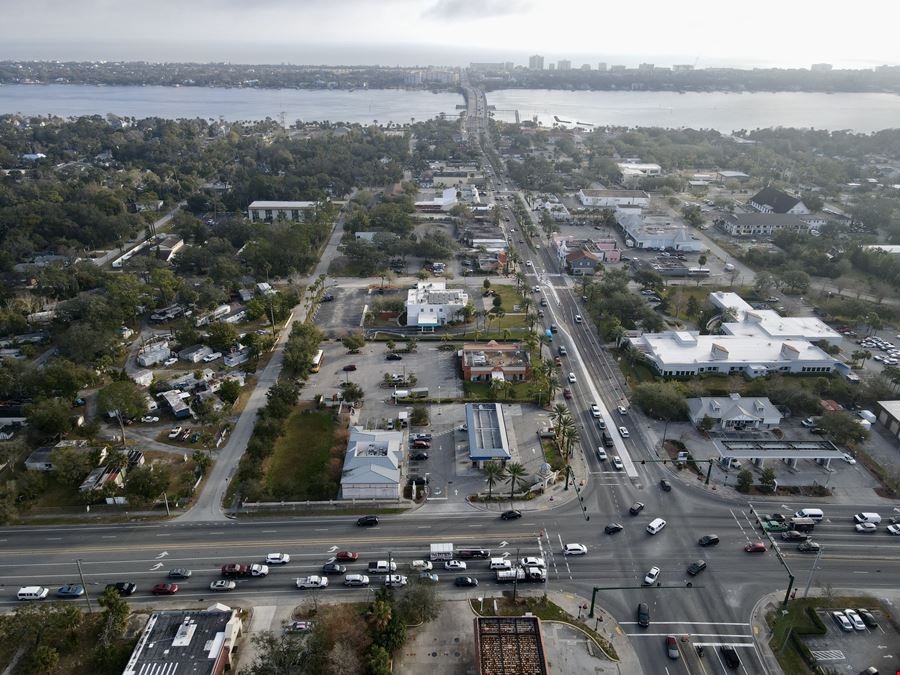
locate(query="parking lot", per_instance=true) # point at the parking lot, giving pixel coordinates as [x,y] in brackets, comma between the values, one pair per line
[854,651]
[345,312]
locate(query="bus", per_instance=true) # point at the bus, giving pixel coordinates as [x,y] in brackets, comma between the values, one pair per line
[317,361]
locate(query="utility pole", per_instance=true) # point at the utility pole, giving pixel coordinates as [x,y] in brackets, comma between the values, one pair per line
[515,578]
[87,596]
[812,572]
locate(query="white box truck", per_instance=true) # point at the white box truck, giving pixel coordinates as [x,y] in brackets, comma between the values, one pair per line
[441,552]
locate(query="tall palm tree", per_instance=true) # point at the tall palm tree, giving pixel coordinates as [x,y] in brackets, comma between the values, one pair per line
[493,474]
[570,437]
[530,341]
[515,476]
[552,384]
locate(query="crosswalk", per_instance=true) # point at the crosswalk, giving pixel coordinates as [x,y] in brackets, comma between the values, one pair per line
[827,654]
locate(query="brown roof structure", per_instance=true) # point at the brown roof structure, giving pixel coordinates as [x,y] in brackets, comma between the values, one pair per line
[509,645]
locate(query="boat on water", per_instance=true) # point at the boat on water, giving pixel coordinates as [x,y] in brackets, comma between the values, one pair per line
[556,117]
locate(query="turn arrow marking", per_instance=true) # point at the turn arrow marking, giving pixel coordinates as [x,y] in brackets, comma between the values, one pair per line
[162,555]
[156,567]
[504,544]
[333,549]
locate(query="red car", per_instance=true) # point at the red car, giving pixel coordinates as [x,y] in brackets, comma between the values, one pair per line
[346,556]
[567,393]
[757,547]
[557,361]
[421,445]
[165,589]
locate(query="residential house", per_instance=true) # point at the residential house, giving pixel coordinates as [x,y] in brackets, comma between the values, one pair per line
[194,353]
[153,353]
[583,263]
[41,459]
[773,200]
[734,413]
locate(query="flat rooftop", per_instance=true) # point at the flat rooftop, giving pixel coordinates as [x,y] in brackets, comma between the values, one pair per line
[487,432]
[778,449]
[891,407]
[281,205]
[493,355]
[622,194]
[180,641]
[509,645]
[687,347]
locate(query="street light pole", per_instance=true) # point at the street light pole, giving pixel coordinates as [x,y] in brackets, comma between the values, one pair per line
[87,596]
[812,572]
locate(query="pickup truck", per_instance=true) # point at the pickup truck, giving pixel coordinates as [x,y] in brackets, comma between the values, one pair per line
[522,574]
[312,582]
[237,570]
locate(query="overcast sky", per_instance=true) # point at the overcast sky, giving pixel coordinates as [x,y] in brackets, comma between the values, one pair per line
[454,32]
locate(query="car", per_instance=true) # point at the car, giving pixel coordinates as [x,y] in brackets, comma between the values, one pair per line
[601,425]
[617,463]
[223,585]
[643,614]
[165,589]
[809,547]
[346,556]
[428,577]
[578,318]
[562,351]
[855,619]
[209,358]
[122,587]
[174,433]
[421,445]
[755,547]
[532,561]
[355,580]
[454,565]
[651,576]
[367,521]
[818,431]
[421,565]
[775,526]
[866,528]
[574,549]
[512,514]
[868,618]
[696,567]
[419,456]
[422,437]
[809,422]
[349,368]
[180,573]
[672,647]
[314,581]
[421,481]
[595,410]
[893,529]
[395,581]
[847,457]
[636,508]
[332,567]
[601,454]
[709,540]
[465,581]
[392,356]
[622,410]
[665,485]
[277,559]
[567,393]
[794,535]
[730,657]
[536,289]
[70,591]
[623,432]
[170,362]
[842,621]
[777,517]
[299,627]
[528,263]
[149,419]
[613,528]
[572,378]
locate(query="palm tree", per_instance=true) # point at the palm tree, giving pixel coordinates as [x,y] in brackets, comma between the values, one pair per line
[515,475]
[493,474]
[530,341]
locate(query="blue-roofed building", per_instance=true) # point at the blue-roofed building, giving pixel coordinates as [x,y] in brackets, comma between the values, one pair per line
[488,440]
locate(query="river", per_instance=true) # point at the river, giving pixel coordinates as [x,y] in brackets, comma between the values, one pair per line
[725,112]
[717,110]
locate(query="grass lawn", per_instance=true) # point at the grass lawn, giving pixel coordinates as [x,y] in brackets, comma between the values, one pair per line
[298,467]
[482,390]
[508,293]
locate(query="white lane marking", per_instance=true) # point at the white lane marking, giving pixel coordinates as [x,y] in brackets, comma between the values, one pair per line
[687,623]
[692,635]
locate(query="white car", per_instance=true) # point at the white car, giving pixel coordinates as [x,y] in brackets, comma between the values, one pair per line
[847,457]
[421,565]
[841,620]
[617,463]
[278,559]
[149,419]
[575,549]
[222,585]
[622,410]
[578,318]
[209,358]
[356,580]
[536,289]
[529,263]
[170,362]
[259,570]
[651,576]
[855,619]
[314,581]
[394,581]
[623,432]
[174,433]
[454,565]
[867,528]
[595,410]
[572,379]
[601,454]
[532,562]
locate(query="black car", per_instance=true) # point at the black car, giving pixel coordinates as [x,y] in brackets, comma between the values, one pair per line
[730,656]
[328,297]
[465,581]
[511,515]
[419,456]
[793,535]
[123,587]
[809,547]
[696,567]
[868,618]
[393,357]
[709,540]
[665,485]
[612,528]
[818,431]
[636,508]
[367,521]
[777,517]
[469,553]
[333,568]
[180,573]
[643,615]
[418,480]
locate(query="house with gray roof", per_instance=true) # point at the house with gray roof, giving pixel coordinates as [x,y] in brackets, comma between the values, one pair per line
[372,465]
[734,413]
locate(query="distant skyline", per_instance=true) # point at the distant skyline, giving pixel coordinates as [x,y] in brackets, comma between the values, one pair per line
[453,32]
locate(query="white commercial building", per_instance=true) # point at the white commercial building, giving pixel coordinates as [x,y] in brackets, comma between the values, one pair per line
[372,465]
[654,232]
[762,224]
[443,200]
[432,304]
[262,211]
[687,353]
[733,413]
[632,173]
[613,198]
[769,324]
